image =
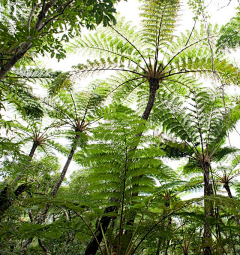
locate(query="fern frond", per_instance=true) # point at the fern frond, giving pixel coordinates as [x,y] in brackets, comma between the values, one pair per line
[158,22]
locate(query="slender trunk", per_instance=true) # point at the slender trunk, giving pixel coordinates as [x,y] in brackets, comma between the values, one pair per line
[208,210]
[34,147]
[43,246]
[227,188]
[41,217]
[167,246]
[154,86]
[65,168]
[5,68]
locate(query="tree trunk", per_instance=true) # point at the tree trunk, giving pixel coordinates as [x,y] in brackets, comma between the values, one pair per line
[158,247]
[104,223]
[153,87]
[65,168]
[227,188]
[34,147]
[43,216]
[5,68]
[208,210]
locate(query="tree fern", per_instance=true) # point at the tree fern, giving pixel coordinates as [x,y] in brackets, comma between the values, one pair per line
[200,124]
[151,55]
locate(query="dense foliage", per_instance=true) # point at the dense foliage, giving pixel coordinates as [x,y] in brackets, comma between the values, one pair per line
[167,101]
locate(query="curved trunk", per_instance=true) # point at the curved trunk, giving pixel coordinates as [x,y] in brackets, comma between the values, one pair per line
[153,87]
[34,147]
[227,188]
[5,68]
[41,217]
[208,210]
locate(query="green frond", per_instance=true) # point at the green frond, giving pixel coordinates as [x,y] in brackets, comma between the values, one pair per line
[158,22]
[111,161]
[223,152]
[32,74]
[229,34]
[200,120]
[200,61]
[19,96]
[111,46]
[98,66]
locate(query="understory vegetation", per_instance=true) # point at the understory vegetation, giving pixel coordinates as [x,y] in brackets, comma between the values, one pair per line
[140,162]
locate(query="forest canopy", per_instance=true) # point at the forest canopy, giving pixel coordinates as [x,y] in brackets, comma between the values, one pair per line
[132,150]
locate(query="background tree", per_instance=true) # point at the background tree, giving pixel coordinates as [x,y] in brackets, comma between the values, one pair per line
[229,37]
[38,136]
[39,25]
[202,130]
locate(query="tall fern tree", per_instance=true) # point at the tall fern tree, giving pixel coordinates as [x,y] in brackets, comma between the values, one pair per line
[76,111]
[152,56]
[149,58]
[200,129]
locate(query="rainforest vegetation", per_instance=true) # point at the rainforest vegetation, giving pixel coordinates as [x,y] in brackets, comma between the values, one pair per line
[140,159]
